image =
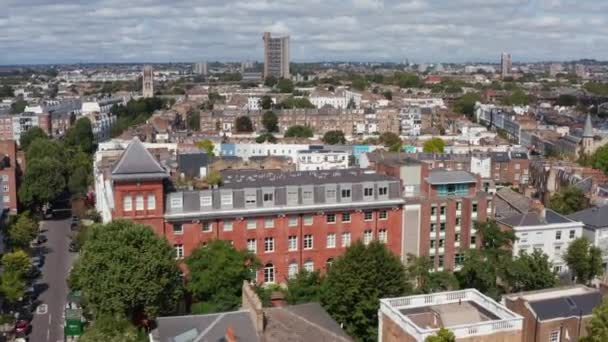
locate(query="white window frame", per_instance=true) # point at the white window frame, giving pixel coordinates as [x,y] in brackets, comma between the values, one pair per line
[383,215]
[151,201]
[349,218]
[383,235]
[331,240]
[292,243]
[292,221]
[308,220]
[346,239]
[179,231]
[269,274]
[179,251]
[252,223]
[228,225]
[292,270]
[554,336]
[269,222]
[368,236]
[226,200]
[332,220]
[309,266]
[127,203]
[368,215]
[252,245]
[206,226]
[308,241]
[268,244]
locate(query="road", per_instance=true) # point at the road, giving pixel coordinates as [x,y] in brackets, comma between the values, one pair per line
[47,325]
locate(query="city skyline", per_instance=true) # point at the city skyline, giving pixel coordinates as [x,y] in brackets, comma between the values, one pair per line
[54,32]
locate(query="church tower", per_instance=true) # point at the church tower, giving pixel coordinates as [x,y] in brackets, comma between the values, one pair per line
[148,81]
[588,136]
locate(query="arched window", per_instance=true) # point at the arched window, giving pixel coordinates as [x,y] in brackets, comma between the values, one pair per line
[269,273]
[292,270]
[309,266]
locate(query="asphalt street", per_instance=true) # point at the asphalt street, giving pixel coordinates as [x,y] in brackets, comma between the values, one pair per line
[47,325]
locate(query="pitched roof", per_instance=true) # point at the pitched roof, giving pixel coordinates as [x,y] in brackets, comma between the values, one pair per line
[588,131]
[579,305]
[533,218]
[211,327]
[136,162]
[593,218]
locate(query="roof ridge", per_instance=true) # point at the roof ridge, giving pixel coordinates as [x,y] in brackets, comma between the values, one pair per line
[341,338]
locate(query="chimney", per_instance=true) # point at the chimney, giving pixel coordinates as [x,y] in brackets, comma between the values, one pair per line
[539,208]
[229,337]
[252,303]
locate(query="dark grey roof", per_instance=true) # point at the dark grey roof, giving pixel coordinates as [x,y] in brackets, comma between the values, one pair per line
[190,163]
[509,203]
[304,322]
[593,218]
[260,178]
[519,155]
[566,306]
[211,328]
[500,157]
[136,162]
[439,176]
[533,218]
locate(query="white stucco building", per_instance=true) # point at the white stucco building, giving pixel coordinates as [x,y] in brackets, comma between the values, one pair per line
[321,160]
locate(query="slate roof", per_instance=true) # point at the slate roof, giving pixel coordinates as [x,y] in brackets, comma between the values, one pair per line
[509,203]
[593,218]
[209,328]
[439,176]
[136,162]
[259,178]
[562,307]
[533,218]
[190,163]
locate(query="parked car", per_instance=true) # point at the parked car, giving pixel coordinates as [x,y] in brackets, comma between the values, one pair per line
[73,247]
[22,327]
[41,238]
[37,261]
[33,272]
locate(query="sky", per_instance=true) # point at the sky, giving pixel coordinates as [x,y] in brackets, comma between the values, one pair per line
[423,31]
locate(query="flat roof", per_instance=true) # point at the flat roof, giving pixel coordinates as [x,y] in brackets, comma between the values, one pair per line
[439,177]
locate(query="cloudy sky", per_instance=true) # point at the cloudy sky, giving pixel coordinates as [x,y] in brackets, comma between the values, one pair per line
[65,31]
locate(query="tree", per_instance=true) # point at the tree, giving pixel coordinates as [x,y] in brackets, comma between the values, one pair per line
[566,100]
[262,138]
[299,131]
[597,328]
[22,231]
[517,98]
[217,272]
[296,102]
[359,82]
[113,328]
[243,124]
[125,269]
[214,178]
[270,81]
[407,80]
[388,95]
[355,283]
[568,200]
[427,281]
[18,106]
[391,141]
[285,85]
[599,159]
[12,286]
[434,145]
[270,121]
[305,287]
[194,121]
[207,146]
[530,272]
[443,335]
[6,91]
[43,182]
[266,102]
[16,262]
[334,138]
[466,104]
[584,260]
[80,136]
[79,181]
[30,135]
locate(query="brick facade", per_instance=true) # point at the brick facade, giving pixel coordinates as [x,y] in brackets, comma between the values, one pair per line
[9,171]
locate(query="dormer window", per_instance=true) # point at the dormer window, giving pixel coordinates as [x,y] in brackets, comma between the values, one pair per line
[177,203]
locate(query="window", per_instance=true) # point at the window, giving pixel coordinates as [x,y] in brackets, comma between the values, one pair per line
[473,240]
[251,224]
[382,191]
[179,251]
[139,202]
[368,216]
[226,200]
[330,218]
[177,202]
[458,205]
[457,237]
[268,197]
[328,263]
[474,206]
[309,266]
[307,241]
[442,210]
[382,236]
[269,273]
[269,244]
[206,201]
[517,166]
[292,196]
[441,243]
[558,235]
[345,239]
[367,192]
[228,226]
[383,214]
[458,259]
[178,229]
[330,195]
[345,217]
[331,240]
[458,221]
[292,270]
[440,261]
[151,201]
[572,234]
[554,336]
[345,193]
[269,222]
[293,221]
[252,246]
[367,237]
[308,220]
[558,250]
[206,226]
[442,227]
[292,243]
[433,211]
[306,195]
[433,242]
[6,199]
[127,204]
[250,198]
[433,227]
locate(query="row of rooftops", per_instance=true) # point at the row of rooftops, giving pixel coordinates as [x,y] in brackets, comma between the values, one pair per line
[412,158]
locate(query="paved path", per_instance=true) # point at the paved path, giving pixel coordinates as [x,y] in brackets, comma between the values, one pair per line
[47,325]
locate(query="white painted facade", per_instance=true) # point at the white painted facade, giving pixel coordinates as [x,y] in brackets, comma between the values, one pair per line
[339,99]
[321,160]
[411,121]
[253,102]
[481,165]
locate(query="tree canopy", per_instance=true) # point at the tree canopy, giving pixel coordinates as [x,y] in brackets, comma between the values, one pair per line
[568,200]
[270,121]
[194,121]
[426,281]
[584,260]
[243,124]
[434,145]
[296,102]
[125,269]
[305,287]
[17,262]
[443,335]
[113,328]
[530,272]
[285,85]
[80,136]
[334,138]
[466,104]
[29,136]
[390,140]
[597,327]
[43,182]
[216,276]
[355,283]
[266,137]
[266,102]
[22,230]
[299,131]
[207,146]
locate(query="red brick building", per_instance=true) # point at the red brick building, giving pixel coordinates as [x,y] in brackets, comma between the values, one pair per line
[9,174]
[291,220]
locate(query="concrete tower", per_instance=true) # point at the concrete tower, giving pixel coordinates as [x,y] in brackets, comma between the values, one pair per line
[148,81]
[588,136]
[505,65]
[276,56]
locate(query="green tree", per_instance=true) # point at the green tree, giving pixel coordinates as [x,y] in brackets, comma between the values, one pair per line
[434,145]
[30,135]
[584,260]
[389,139]
[12,286]
[305,287]
[334,138]
[388,95]
[6,91]
[466,104]
[359,82]
[80,136]
[407,80]
[22,231]
[217,272]
[355,283]
[113,328]
[530,272]
[599,159]
[79,181]
[214,178]
[125,269]
[262,138]
[285,85]
[597,328]
[426,281]
[299,131]
[207,146]
[194,121]
[266,102]
[18,106]
[296,102]
[270,81]
[243,124]
[43,182]
[568,200]
[566,100]
[16,262]
[270,121]
[443,335]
